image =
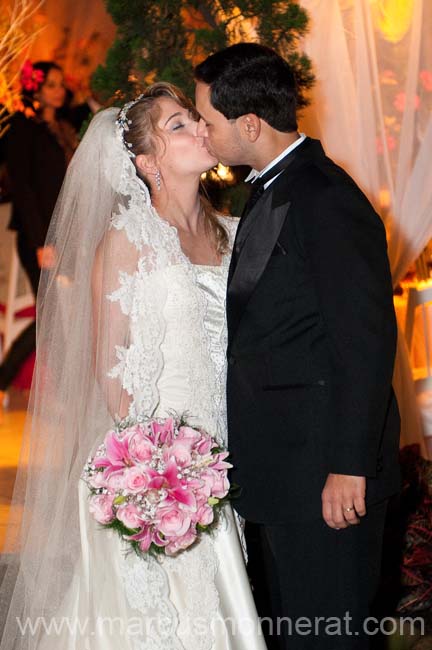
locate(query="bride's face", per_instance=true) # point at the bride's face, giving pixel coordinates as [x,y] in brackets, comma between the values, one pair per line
[183,152]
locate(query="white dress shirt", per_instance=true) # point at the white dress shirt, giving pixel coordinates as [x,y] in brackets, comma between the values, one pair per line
[254,174]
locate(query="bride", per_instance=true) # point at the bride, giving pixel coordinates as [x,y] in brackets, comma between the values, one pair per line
[130,321]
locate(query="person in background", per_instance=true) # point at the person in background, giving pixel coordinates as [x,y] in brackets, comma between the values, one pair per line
[38,149]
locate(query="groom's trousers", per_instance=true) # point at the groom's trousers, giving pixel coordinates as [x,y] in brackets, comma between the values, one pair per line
[314,585]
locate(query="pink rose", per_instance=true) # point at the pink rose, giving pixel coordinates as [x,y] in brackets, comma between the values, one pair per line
[98,480]
[180,453]
[221,485]
[174,523]
[101,508]
[135,480]
[181,543]
[140,447]
[129,515]
[216,483]
[187,433]
[208,476]
[205,515]
[201,500]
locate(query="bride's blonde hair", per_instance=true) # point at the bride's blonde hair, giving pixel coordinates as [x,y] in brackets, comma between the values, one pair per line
[141,139]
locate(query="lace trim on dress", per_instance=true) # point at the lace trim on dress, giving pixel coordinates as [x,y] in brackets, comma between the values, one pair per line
[147,591]
[142,296]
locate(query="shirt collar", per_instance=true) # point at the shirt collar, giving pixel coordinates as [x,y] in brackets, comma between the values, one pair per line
[254,174]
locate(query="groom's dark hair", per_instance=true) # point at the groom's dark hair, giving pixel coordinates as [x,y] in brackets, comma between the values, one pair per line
[251,78]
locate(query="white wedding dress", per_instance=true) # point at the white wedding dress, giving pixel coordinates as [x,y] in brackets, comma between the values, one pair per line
[125,324]
[201,599]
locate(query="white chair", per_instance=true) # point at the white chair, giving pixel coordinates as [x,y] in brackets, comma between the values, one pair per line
[16,292]
[419,317]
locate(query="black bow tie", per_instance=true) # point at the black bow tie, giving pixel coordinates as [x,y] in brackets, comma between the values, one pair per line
[257,190]
[257,187]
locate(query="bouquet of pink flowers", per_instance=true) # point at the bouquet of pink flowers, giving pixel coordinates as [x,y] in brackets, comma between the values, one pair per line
[159,483]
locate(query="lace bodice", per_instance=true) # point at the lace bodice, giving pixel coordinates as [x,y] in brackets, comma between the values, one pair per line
[192,379]
[176,357]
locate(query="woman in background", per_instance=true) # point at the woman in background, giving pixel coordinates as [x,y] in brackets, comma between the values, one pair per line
[38,150]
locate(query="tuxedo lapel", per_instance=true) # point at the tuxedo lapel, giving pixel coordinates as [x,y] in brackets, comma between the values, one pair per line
[249,214]
[258,239]
[248,223]
[259,230]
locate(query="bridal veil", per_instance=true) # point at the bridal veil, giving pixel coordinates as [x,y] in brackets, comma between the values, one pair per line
[103,228]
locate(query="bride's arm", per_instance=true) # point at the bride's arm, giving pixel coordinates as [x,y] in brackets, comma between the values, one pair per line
[113,271]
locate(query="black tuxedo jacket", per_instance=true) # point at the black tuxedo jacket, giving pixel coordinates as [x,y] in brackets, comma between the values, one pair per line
[312,339]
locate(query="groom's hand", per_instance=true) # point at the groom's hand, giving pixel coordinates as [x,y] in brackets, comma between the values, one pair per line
[343,500]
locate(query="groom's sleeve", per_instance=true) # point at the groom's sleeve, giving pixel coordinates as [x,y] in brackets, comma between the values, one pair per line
[348,253]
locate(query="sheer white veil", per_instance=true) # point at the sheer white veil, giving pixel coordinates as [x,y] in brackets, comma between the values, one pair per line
[103,227]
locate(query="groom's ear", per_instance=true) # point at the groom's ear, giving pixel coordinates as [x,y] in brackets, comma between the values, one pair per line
[250,126]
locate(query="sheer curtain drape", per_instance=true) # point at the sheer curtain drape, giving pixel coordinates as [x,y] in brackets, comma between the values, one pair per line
[372,110]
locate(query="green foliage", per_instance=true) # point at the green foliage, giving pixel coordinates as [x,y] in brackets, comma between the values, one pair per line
[114,75]
[210,40]
[156,41]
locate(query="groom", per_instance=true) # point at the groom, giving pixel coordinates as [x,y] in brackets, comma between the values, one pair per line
[313,420]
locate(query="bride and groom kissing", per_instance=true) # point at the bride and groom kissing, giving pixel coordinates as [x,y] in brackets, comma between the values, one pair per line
[278,335]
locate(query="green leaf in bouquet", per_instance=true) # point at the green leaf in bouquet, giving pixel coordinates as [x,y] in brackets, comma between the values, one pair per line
[217,450]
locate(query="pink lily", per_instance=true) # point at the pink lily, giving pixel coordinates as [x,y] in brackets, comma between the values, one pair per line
[204,447]
[144,537]
[159,540]
[219,461]
[117,454]
[162,432]
[173,484]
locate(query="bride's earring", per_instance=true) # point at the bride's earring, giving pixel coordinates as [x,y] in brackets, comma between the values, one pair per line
[158,180]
